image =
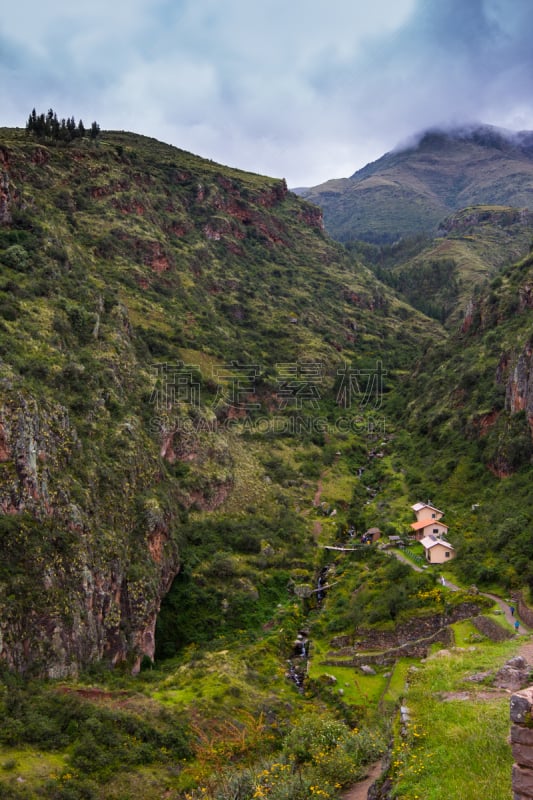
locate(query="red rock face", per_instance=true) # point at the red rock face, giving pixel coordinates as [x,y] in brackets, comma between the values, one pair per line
[156,543]
[468,317]
[133,207]
[109,616]
[485,422]
[312,217]
[5,198]
[109,189]
[525,297]
[40,156]
[160,263]
[500,468]
[5,452]
[274,196]
[519,389]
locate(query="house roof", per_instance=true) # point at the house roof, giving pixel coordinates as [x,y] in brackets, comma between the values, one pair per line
[420,506]
[373,530]
[430,541]
[425,523]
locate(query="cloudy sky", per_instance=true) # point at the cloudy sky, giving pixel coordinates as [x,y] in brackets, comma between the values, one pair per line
[302,90]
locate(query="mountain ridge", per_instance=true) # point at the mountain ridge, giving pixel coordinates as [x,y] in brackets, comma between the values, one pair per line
[412,188]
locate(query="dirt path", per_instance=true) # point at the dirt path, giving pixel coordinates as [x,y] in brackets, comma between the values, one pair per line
[511,618]
[507,611]
[360,790]
[526,651]
[405,560]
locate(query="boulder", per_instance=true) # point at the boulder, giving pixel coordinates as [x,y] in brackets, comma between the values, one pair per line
[513,675]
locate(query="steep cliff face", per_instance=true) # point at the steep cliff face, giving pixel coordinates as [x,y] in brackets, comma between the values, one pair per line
[77,585]
[519,388]
[482,379]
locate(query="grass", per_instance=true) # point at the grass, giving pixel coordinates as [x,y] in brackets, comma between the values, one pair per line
[414,553]
[464,633]
[351,684]
[32,766]
[455,742]
[396,685]
[455,749]
[25,771]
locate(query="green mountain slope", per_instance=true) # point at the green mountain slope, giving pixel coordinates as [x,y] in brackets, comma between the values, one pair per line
[151,302]
[166,324]
[469,417]
[413,189]
[440,276]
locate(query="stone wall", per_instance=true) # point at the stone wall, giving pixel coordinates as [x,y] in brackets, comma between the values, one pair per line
[405,633]
[524,611]
[491,629]
[522,743]
[418,649]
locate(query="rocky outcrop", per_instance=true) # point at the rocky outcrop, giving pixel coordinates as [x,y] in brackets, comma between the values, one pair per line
[491,629]
[524,611]
[474,216]
[405,633]
[414,649]
[519,387]
[471,316]
[513,675]
[5,199]
[78,583]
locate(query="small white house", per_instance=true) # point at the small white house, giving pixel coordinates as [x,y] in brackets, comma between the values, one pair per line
[426,511]
[438,551]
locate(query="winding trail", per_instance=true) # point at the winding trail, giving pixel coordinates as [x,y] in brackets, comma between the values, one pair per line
[522,631]
[405,560]
[318,493]
[359,791]
[503,604]
[511,619]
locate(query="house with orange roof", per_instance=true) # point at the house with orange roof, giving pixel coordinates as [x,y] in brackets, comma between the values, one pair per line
[428,527]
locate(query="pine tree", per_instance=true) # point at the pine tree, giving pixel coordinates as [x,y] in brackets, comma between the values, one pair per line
[49,127]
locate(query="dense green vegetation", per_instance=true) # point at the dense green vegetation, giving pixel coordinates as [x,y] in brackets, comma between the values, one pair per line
[201,390]
[141,292]
[439,277]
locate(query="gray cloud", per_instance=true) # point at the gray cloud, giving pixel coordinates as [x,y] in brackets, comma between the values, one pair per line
[306,92]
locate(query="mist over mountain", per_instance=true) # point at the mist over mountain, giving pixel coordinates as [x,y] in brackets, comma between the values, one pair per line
[414,187]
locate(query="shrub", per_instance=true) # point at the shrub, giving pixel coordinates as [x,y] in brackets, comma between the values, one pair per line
[16,257]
